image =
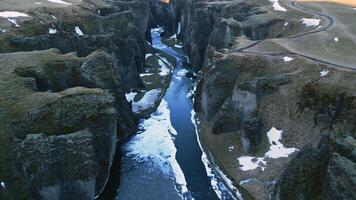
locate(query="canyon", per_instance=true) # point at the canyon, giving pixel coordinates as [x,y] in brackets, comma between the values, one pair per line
[185,99]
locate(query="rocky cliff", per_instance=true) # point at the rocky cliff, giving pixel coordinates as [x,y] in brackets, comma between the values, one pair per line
[64,69]
[258,103]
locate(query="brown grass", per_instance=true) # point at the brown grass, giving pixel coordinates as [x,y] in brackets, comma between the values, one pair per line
[344,2]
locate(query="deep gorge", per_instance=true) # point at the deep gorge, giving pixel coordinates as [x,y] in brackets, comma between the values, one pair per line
[192,99]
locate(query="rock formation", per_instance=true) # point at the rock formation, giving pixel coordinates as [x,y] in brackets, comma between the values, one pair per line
[249,83]
[280,123]
[63,106]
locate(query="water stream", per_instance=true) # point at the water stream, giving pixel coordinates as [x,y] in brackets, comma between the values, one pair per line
[164,160]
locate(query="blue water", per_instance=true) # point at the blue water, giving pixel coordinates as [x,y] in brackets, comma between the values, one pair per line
[138,179]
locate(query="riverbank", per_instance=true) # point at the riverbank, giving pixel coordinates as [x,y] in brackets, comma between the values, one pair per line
[173,152]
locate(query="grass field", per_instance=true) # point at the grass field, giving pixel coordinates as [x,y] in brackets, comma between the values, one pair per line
[344,2]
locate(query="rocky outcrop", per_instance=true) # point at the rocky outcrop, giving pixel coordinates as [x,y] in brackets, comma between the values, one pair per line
[64,141]
[321,173]
[243,95]
[61,154]
[63,106]
[340,178]
[221,23]
[105,25]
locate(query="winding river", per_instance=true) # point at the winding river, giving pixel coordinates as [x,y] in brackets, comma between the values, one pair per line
[164,160]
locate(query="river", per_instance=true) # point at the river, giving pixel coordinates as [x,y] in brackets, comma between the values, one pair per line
[164,160]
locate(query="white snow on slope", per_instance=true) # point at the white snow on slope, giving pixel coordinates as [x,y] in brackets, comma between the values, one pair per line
[155,145]
[12,14]
[217,186]
[130,96]
[147,101]
[78,31]
[179,28]
[60,2]
[52,31]
[251,163]
[287,59]
[148,55]
[14,22]
[231,148]
[165,70]
[336,39]
[311,21]
[324,73]
[277,6]
[178,46]
[146,74]
[276,150]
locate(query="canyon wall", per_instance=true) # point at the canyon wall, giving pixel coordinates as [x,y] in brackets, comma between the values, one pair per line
[243,94]
[64,71]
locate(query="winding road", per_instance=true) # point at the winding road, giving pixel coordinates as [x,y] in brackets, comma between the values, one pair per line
[330,22]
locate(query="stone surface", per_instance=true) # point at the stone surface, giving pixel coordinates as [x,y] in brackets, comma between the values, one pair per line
[62,105]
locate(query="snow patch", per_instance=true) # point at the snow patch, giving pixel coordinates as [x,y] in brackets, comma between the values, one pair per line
[251,163]
[246,181]
[12,14]
[3,30]
[182,72]
[324,73]
[147,101]
[148,55]
[60,2]
[285,24]
[52,31]
[14,22]
[336,39]
[217,186]
[277,6]
[310,21]
[166,61]
[276,150]
[231,148]
[179,28]
[2,184]
[78,31]
[155,145]
[130,96]
[146,74]
[173,36]
[165,70]
[287,59]
[178,46]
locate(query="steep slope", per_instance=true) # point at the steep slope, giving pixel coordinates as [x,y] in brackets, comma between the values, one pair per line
[63,110]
